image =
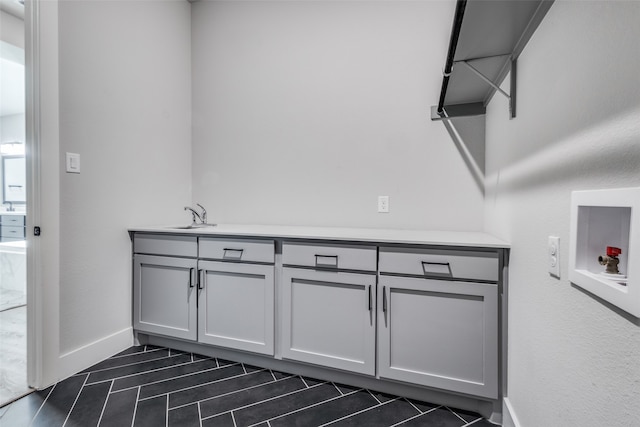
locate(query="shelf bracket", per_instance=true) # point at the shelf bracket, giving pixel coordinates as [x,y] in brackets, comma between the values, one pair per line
[511,97]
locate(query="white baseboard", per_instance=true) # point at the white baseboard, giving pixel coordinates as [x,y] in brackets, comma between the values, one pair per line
[81,358]
[509,418]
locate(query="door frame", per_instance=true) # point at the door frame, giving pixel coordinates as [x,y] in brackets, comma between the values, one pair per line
[35,321]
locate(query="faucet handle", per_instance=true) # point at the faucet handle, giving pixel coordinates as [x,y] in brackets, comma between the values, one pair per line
[204,213]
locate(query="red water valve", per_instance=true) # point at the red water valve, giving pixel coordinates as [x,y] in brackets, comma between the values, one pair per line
[613,251]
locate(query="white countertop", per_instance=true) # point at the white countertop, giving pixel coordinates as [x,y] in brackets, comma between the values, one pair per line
[23,213]
[374,235]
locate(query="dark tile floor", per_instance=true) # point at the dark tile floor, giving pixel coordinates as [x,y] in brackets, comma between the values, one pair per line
[151,386]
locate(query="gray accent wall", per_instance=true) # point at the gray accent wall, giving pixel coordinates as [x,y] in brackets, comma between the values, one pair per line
[573,360]
[305,112]
[125,102]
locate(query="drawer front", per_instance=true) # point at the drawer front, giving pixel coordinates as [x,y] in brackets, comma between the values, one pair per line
[237,250]
[440,263]
[12,232]
[160,244]
[342,257]
[18,220]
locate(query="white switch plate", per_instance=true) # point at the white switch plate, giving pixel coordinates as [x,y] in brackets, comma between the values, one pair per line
[73,163]
[553,248]
[383,204]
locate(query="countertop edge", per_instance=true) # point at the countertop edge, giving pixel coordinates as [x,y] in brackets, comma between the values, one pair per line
[371,235]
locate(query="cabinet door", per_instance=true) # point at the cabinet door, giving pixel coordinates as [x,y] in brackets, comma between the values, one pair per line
[328,319]
[164,296]
[235,306]
[436,333]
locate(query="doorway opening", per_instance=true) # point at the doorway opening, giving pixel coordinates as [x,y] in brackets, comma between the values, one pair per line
[13,207]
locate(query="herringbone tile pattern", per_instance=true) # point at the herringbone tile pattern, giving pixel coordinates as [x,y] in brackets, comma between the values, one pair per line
[151,386]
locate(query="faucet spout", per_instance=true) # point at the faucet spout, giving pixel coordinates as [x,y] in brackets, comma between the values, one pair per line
[194,215]
[203,215]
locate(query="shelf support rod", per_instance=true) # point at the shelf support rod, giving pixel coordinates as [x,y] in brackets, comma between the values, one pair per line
[486,79]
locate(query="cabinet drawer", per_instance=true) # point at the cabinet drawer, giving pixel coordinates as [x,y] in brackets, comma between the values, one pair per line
[13,220]
[343,257]
[440,263]
[237,249]
[12,232]
[161,244]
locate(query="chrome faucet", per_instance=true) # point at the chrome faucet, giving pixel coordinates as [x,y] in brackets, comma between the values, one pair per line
[203,215]
[196,216]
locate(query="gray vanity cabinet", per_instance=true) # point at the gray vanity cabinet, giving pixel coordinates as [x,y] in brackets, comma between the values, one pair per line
[327,315]
[165,296]
[434,330]
[165,285]
[236,306]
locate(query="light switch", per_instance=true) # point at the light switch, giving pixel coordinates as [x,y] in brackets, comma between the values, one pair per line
[73,163]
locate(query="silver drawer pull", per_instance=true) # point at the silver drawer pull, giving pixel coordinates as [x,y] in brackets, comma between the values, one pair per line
[191,271]
[326,261]
[384,299]
[201,278]
[440,268]
[232,253]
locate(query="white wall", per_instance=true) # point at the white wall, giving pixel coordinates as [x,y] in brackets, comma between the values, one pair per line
[125,107]
[573,360]
[306,111]
[11,29]
[12,128]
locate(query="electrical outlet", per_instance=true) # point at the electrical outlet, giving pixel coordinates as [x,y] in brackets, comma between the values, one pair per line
[383,204]
[553,248]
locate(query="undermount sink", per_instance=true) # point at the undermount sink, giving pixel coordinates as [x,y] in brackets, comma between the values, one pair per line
[192,226]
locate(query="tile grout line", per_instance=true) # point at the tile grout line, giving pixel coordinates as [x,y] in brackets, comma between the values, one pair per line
[166,412]
[135,408]
[239,391]
[414,406]
[233,419]
[415,416]
[129,364]
[307,407]
[273,375]
[261,401]
[199,413]
[200,385]
[472,422]
[454,413]
[244,369]
[360,411]
[105,403]
[339,391]
[377,400]
[304,382]
[133,354]
[158,381]
[42,404]
[75,401]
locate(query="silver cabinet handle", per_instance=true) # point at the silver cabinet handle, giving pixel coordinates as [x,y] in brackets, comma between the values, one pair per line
[442,268]
[236,253]
[330,260]
[201,279]
[370,301]
[191,271]
[384,299]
